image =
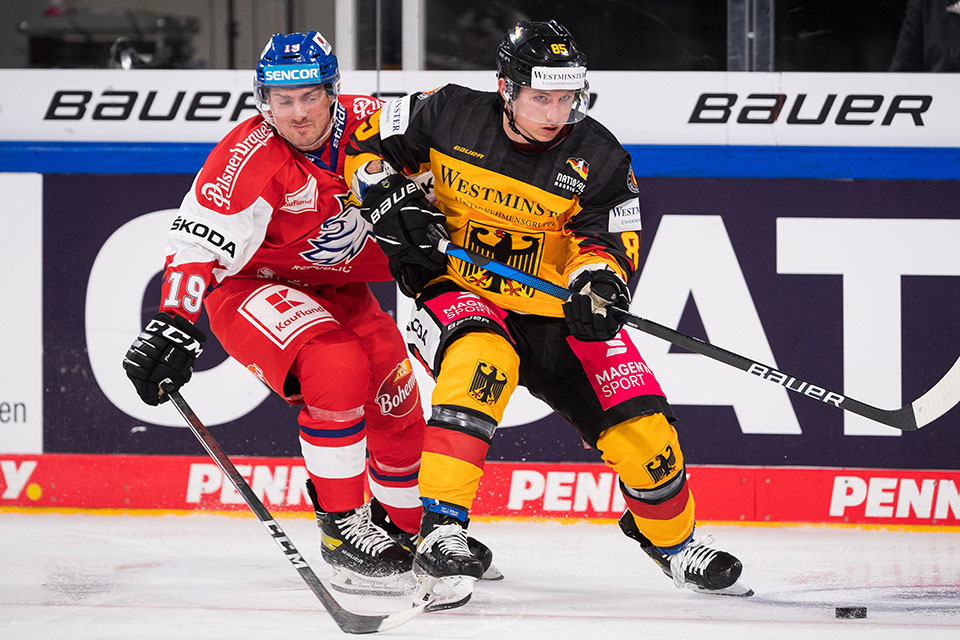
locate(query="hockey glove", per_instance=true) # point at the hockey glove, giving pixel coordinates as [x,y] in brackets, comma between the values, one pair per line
[165,349]
[586,311]
[407,228]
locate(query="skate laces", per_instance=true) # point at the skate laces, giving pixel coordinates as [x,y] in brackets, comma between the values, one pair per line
[693,558]
[360,531]
[452,539]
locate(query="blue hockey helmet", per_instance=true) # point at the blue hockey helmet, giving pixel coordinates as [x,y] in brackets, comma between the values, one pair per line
[294,60]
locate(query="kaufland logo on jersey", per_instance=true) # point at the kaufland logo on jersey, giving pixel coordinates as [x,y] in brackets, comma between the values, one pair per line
[292,74]
[282,313]
[303,199]
[281,301]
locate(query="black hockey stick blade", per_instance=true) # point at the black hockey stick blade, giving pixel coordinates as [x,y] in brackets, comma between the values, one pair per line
[942,397]
[348,621]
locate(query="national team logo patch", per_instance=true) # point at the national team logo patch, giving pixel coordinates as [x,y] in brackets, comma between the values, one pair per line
[662,464]
[281,313]
[632,181]
[341,238]
[427,94]
[398,393]
[487,384]
[579,166]
[520,250]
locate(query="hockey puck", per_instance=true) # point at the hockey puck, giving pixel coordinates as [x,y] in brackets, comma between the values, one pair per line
[851,612]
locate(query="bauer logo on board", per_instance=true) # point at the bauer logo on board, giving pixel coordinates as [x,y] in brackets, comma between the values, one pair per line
[852,109]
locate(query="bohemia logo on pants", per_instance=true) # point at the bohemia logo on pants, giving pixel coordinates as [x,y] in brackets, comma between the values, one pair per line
[398,393]
[282,313]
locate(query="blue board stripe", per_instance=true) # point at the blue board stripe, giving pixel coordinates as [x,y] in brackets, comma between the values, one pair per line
[872,163]
[699,161]
[103,157]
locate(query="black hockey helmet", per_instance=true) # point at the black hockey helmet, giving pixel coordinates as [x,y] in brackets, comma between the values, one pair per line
[542,55]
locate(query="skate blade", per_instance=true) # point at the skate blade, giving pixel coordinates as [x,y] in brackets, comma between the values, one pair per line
[736,589]
[347,581]
[492,573]
[443,593]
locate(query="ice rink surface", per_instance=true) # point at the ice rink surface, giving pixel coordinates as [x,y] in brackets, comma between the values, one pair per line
[88,576]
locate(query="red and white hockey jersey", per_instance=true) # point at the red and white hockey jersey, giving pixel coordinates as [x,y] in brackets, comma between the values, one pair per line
[260,208]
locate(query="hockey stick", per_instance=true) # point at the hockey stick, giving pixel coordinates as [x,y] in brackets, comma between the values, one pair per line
[347,621]
[942,397]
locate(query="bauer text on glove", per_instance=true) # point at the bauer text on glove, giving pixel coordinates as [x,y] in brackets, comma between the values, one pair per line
[407,228]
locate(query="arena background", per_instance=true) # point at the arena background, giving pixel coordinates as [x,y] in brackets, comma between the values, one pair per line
[806,220]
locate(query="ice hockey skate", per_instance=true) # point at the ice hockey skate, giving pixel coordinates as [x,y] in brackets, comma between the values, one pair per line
[409,541]
[697,566]
[444,566]
[362,557]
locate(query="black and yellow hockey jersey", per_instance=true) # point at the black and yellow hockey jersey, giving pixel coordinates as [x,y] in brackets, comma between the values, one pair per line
[548,212]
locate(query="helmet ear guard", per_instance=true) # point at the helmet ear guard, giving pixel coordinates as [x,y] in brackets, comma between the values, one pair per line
[510,90]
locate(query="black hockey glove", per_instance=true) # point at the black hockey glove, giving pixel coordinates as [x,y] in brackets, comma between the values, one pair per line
[165,349]
[586,311]
[407,228]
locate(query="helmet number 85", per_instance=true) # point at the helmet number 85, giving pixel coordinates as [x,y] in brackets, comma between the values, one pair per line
[558,48]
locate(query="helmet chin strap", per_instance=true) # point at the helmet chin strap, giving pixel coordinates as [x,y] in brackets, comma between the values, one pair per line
[326,134]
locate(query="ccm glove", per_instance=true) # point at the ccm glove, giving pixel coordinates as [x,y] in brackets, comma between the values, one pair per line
[165,349]
[586,311]
[408,229]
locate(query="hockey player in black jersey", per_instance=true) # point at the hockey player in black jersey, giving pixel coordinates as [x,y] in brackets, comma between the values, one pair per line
[524,176]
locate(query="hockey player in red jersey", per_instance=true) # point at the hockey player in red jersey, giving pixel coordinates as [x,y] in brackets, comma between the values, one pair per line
[524,176]
[270,240]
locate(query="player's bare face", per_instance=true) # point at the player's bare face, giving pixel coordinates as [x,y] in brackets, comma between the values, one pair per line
[302,116]
[541,114]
